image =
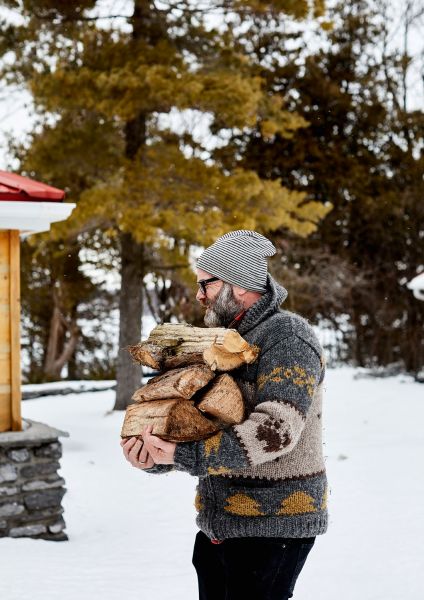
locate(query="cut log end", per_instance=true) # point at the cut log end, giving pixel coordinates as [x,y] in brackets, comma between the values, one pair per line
[146,354]
[221,360]
[223,400]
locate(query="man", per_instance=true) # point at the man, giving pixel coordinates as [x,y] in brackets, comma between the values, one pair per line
[262,491]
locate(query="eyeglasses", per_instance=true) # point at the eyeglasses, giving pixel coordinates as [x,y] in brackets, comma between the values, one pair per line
[204,282]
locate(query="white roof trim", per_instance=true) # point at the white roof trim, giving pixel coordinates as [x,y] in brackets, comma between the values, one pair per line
[33,217]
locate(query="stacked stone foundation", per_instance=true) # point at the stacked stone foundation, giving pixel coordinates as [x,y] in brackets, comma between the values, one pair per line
[31,490]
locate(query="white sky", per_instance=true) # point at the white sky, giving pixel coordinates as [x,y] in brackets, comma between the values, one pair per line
[16,111]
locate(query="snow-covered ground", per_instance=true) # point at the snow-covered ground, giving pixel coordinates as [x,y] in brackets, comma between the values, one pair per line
[131,534]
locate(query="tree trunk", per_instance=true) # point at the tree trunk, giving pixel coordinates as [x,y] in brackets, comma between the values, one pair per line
[73,371]
[59,347]
[128,374]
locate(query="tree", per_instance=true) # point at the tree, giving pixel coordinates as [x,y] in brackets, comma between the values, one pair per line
[122,79]
[58,299]
[363,152]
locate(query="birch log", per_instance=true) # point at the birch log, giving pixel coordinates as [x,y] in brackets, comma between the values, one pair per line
[175,345]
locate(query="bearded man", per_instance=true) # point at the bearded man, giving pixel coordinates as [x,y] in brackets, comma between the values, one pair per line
[262,491]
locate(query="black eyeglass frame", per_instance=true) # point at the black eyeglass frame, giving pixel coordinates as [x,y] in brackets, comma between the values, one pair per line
[204,282]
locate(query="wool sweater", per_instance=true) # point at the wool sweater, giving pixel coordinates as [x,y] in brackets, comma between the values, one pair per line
[266,476]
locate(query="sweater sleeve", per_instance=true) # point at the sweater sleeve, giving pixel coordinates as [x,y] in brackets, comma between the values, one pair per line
[159,469]
[288,375]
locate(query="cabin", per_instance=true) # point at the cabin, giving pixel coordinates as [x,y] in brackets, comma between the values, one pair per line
[31,490]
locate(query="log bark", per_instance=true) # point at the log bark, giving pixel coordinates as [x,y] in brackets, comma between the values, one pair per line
[172,420]
[223,400]
[178,383]
[180,344]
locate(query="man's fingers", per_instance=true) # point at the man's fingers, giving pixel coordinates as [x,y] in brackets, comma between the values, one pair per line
[127,442]
[150,449]
[147,430]
[148,464]
[128,445]
[137,453]
[142,457]
[157,442]
[134,452]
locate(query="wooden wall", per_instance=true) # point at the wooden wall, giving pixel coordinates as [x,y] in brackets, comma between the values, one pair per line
[10,367]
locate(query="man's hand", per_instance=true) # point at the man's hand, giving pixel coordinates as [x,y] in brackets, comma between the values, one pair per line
[136,453]
[162,452]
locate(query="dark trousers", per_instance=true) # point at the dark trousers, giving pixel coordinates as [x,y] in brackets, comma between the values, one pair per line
[249,568]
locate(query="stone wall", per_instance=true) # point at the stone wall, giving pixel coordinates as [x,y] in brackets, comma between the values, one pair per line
[31,490]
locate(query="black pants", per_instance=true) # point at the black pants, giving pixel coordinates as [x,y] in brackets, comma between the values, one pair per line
[249,568]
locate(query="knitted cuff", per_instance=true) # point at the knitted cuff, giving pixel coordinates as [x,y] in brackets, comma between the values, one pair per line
[185,457]
[159,469]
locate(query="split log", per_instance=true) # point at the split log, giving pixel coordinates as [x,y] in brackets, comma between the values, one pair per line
[179,383]
[175,345]
[223,400]
[221,360]
[172,420]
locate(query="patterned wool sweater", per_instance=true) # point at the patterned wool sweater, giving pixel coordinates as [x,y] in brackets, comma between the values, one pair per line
[266,476]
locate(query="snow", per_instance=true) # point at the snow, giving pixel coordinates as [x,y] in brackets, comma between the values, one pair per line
[131,534]
[78,386]
[417,286]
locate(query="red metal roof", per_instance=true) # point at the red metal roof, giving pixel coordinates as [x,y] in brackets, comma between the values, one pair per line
[16,187]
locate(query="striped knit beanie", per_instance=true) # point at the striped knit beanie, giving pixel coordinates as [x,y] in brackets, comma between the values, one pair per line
[240,258]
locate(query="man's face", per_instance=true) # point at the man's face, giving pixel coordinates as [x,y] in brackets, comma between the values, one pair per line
[219,301]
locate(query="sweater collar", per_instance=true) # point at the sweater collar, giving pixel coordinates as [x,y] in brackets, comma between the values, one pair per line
[268,304]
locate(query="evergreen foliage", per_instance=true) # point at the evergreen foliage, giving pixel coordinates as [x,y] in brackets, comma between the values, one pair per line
[363,152]
[100,90]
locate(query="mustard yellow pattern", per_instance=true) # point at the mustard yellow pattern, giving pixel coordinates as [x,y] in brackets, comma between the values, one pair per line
[198,503]
[243,505]
[324,499]
[273,376]
[295,374]
[212,444]
[296,504]
[218,471]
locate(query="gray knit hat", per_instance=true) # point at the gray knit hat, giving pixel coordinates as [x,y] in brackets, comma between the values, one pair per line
[239,257]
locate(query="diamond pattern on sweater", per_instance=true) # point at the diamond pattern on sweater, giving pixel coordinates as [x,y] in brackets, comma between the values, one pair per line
[297,504]
[243,505]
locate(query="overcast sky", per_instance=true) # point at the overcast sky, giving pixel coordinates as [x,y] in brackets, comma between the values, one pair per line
[16,109]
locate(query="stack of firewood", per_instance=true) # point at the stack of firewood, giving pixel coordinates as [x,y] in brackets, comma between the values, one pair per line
[189,400]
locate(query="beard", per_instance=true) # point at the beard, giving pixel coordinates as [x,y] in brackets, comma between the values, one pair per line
[223,308]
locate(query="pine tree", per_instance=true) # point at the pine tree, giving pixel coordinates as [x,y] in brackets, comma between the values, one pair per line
[362,152]
[100,92]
